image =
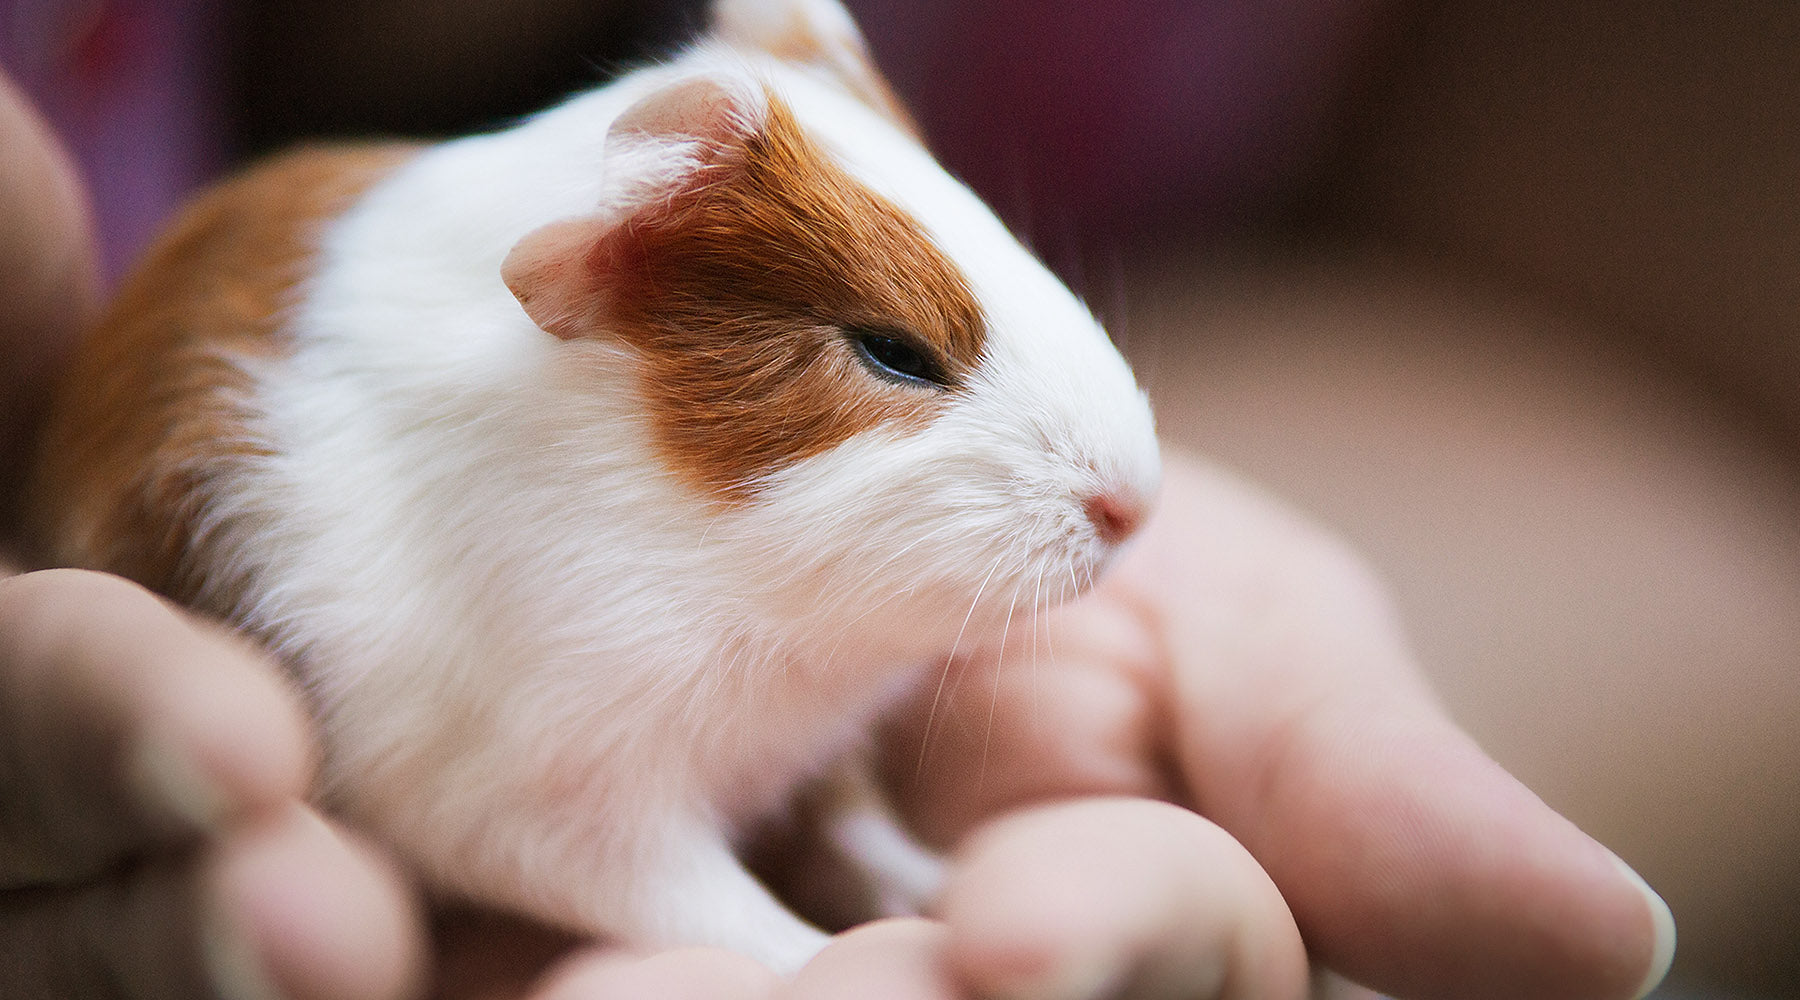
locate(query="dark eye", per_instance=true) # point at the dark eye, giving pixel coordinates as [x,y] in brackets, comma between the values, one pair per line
[895,357]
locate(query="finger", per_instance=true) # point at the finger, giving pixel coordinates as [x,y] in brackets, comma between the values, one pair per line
[1118,898]
[900,959]
[286,909]
[123,723]
[49,274]
[1069,709]
[1430,871]
[681,974]
[1411,861]
[323,916]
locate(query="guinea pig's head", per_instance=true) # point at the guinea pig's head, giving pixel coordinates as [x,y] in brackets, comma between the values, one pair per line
[897,421]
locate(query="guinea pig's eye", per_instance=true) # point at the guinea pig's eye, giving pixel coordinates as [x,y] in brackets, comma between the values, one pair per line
[895,356]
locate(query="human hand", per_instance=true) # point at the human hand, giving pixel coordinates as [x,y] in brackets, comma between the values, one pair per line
[1236,663]
[1244,665]
[49,276]
[153,841]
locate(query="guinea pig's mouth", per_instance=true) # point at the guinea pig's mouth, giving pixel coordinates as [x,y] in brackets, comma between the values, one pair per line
[1056,572]
[1084,577]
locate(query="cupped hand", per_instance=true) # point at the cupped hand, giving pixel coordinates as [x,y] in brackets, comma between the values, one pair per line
[1245,666]
[153,843]
[1214,777]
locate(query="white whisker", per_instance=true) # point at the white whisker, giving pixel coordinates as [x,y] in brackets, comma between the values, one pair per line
[944,676]
[987,738]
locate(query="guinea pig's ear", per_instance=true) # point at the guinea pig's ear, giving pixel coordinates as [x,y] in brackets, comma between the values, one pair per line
[816,34]
[655,149]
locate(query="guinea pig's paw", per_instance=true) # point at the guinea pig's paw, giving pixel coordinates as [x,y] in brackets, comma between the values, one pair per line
[905,875]
[899,876]
[786,946]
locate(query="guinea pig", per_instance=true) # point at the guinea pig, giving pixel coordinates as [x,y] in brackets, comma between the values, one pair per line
[602,479]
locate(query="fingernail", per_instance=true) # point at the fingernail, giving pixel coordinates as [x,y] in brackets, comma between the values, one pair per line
[169,779]
[1663,952]
[234,967]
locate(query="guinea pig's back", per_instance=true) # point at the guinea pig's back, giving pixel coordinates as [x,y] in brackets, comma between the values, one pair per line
[154,404]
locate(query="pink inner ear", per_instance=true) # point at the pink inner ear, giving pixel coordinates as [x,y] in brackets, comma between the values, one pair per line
[713,109]
[559,273]
[555,272]
[562,270]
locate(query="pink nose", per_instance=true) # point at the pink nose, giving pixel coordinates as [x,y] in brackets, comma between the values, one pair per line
[1116,515]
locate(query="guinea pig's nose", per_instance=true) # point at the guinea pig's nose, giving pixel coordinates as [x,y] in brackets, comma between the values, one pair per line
[1116,514]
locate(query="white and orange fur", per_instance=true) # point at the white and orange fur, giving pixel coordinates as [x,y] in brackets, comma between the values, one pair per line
[586,563]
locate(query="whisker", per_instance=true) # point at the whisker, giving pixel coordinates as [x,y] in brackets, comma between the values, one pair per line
[987,739]
[1049,631]
[1038,617]
[944,677]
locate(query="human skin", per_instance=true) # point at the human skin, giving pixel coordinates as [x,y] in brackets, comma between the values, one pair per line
[1346,804]
[154,832]
[1410,860]
[1596,551]
[1240,664]
[50,283]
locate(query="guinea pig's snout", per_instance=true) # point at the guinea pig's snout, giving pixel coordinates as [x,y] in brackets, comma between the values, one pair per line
[1116,513]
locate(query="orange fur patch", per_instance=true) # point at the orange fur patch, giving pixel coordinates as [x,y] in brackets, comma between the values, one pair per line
[152,406]
[737,293]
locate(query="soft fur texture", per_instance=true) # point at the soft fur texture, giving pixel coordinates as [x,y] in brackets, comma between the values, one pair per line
[561,485]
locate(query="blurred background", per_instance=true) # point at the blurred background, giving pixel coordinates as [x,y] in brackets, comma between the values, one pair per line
[1509,294]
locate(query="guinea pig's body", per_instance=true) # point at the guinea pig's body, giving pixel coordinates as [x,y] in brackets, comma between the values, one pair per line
[603,478]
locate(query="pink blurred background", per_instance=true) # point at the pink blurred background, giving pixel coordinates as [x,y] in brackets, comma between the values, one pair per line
[1089,126]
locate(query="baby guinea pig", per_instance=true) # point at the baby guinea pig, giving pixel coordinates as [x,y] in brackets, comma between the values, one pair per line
[603,478]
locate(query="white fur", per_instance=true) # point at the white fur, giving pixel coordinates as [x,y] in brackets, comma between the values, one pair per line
[547,671]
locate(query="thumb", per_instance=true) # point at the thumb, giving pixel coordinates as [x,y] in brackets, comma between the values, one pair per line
[284,909]
[1411,861]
